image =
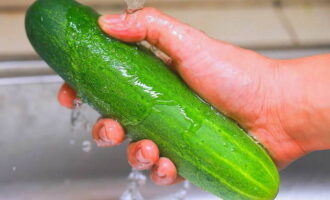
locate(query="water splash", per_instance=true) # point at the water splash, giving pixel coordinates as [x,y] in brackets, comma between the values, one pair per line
[86,146]
[77,103]
[132,192]
[79,121]
[182,193]
[76,113]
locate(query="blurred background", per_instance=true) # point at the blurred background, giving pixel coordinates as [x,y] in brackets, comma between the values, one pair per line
[43,157]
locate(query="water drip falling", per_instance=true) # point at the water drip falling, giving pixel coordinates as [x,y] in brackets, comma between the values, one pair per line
[132,192]
[86,146]
[79,121]
[76,112]
[182,193]
[81,124]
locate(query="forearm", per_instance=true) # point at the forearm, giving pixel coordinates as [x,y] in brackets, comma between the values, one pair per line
[307,92]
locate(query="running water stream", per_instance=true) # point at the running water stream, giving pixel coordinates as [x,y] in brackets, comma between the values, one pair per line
[134,5]
[137,179]
[80,123]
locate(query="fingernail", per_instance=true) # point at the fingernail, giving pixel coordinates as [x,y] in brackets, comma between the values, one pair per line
[160,173]
[65,96]
[140,158]
[113,22]
[65,101]
[104,135]
[111,19]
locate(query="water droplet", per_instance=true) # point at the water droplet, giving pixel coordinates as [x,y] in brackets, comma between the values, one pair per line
[79,120]
[86,146]
[148,89]
[255,139]
[132,192]
[182,193]
[76,114]
[14,168]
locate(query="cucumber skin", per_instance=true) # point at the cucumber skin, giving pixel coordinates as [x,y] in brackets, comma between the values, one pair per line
[128,83]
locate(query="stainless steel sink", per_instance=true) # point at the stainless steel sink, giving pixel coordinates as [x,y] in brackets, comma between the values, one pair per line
[42,159]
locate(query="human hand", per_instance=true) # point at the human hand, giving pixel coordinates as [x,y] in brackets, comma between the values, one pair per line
[265,96]
[142,155]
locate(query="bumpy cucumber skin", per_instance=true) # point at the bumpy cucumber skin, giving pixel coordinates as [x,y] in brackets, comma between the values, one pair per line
[129,84]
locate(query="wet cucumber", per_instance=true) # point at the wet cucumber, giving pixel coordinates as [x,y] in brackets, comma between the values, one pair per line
[128,83]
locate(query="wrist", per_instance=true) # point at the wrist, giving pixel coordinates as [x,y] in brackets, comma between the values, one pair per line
[305,104]
[299,109]
[282,121]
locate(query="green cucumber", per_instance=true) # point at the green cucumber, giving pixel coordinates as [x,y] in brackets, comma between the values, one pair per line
[128,83]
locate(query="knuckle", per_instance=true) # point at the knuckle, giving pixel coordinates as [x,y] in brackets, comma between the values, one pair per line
[150,11]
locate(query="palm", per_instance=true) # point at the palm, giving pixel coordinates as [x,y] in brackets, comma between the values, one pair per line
[240,83]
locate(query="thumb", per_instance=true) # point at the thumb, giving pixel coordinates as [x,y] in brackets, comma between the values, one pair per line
[178,40]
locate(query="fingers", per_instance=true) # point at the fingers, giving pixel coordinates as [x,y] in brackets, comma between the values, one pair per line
[164,172]
[176,39]
[143,154]
[107,133]
[66,96]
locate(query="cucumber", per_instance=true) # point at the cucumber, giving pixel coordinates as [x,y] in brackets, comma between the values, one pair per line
[128,83]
